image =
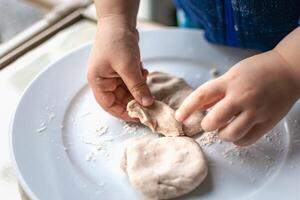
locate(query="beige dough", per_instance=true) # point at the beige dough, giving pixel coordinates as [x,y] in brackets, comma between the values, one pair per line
[173,90]
[164,168]
[159,117]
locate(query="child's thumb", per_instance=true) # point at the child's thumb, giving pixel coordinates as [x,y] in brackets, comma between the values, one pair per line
[136,84]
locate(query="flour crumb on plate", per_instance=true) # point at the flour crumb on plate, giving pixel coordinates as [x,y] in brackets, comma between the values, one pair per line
[90,156]
[101,184]
[130,128]
[51,116]
[208,138]
[101,130]
[42,129]
[86,114]
[97,146]
[235,151]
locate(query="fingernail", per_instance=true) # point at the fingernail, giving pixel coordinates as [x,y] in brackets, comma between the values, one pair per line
[178,116]
[147,101]
[205,127]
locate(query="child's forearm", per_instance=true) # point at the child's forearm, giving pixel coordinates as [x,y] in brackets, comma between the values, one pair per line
[289,49]
[117,11]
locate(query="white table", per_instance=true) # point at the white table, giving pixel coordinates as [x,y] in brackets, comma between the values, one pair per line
[14,79]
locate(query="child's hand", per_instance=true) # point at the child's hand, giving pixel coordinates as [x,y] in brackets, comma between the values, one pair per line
[115,72]
[248,100]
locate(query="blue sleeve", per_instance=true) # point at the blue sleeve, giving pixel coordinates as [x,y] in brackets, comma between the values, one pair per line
[183,17]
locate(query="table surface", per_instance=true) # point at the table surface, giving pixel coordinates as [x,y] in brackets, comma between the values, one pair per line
[14,79]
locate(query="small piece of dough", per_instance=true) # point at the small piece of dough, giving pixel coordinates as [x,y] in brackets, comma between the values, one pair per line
[164,168]
[159,117]
[172,90]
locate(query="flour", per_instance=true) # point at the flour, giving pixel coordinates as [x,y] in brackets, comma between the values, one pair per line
[96,144]
[208,138]
[42,129]
[50,115]
[130,128]
[101,130]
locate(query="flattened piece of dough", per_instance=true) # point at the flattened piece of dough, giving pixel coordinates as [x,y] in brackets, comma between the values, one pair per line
[164,168]
[172,90]
[159,117]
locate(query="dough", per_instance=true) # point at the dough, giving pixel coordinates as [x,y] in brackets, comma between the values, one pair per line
[173,90]
[164,168]
[159,117]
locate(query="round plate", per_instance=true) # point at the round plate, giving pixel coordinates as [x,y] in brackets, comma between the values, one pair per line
[64,146]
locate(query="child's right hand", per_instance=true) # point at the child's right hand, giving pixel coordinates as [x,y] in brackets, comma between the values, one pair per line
[115,72]
[248,100]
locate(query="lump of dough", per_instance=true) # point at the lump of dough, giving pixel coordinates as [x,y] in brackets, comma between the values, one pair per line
[159,117]
[172,90]
[164,168]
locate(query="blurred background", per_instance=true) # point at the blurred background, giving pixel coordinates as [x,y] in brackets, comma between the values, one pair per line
[17,15]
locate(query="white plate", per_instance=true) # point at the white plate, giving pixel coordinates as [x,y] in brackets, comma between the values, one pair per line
[51,160]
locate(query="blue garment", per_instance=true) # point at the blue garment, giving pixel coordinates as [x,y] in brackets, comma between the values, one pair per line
[257,24]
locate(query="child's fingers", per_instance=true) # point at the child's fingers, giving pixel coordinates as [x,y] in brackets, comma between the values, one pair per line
[123,96]
[238,128]
[144,71]
[107,100]
[220,114]
[253,135]
[119,111]
[107,84]
[205,95]
[136,84]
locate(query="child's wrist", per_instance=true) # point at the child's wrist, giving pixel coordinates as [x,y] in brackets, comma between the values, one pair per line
[117,23]
[117,20]
[288,49]
[293,74]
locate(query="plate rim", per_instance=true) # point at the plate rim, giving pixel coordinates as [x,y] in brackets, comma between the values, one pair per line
[20,178]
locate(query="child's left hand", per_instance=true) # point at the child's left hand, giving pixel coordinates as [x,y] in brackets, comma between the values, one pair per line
[248,100]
